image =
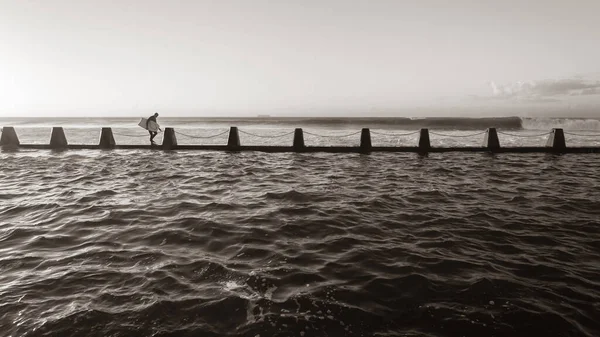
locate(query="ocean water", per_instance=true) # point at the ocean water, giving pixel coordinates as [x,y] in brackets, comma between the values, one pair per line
[185,243]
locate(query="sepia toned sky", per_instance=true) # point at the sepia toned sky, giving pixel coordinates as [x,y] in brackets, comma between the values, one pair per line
[309,57]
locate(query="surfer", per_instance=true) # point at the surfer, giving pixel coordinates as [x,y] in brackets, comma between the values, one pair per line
[152,133]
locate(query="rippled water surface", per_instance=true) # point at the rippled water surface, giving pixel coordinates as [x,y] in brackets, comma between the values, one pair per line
[152,243]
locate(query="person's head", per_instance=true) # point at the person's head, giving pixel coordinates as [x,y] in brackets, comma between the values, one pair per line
[156,114]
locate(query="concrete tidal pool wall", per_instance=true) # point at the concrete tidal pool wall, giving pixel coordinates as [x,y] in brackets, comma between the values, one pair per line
[555,143]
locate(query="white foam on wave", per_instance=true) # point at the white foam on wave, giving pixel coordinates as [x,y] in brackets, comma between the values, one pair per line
[573,124]
[245,291]
[232,285]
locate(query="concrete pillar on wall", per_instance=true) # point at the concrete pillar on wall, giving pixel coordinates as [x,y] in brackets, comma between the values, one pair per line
[9,137]
[424,143]
[365,140]
[169,139]
[556,140]
[298,140]
[58,140]
[491,140]
[233,142]
[107,140]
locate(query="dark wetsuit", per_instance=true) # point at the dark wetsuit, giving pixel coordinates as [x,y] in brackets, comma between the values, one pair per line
[152,133]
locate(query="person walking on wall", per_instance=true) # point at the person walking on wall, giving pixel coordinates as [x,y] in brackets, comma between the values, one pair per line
[152,133]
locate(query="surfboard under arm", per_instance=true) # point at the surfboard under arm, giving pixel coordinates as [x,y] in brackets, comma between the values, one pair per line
[152,126]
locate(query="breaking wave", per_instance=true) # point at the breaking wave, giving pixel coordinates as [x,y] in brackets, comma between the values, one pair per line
[573,124]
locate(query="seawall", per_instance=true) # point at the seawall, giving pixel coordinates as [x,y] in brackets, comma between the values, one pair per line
[491,143]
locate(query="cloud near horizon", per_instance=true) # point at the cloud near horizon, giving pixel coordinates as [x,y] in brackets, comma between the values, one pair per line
[545,91]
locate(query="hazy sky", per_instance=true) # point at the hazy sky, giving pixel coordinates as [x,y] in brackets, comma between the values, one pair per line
[81,57]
